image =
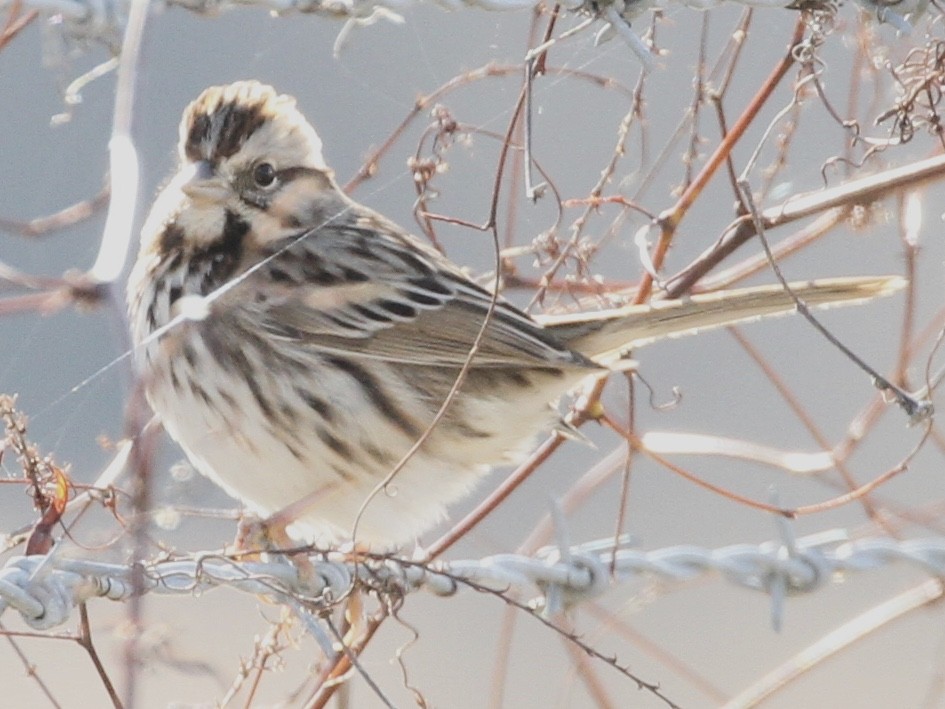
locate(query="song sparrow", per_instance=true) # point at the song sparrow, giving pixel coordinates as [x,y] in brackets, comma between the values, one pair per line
[331,336]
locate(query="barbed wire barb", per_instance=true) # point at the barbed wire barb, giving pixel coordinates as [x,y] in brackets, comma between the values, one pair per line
[44,589]
[85,22]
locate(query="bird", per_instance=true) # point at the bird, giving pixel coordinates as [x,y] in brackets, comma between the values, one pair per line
[296,343]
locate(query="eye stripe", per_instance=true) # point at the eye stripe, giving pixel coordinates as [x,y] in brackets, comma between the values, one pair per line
[216,263]
[287,174]
[261,198]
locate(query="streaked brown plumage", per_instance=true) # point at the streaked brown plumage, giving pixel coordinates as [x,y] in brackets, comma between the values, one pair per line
[331,336]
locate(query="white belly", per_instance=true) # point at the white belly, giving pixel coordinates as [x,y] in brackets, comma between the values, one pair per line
[271,455]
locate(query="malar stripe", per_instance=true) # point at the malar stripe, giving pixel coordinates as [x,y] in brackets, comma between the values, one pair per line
[220,261]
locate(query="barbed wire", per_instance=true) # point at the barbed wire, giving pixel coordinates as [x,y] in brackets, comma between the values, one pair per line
[86,22]
[45,588]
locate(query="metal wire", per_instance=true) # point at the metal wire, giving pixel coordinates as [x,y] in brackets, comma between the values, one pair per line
[102,21]
[45,589]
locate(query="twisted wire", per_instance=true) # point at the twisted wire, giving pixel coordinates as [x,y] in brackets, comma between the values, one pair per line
[45,589]
[102,21]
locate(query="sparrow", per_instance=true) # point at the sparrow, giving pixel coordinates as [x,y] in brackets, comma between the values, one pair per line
[326,337]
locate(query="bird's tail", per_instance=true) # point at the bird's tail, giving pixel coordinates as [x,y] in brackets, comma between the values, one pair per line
[608,331]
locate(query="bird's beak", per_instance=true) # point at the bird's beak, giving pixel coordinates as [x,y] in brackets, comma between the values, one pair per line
[201,184]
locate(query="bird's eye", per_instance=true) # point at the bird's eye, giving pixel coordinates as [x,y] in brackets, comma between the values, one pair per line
[264,174]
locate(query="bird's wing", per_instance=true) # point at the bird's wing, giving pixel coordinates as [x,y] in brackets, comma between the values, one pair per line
[370,290]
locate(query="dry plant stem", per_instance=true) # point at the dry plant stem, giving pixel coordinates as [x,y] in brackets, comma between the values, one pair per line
[609,660]
[515,178]
[691,477]
[124,174]
[618,626]
[45,302]
[735,46]
[370,165]
[789,512]
[514,280]
[330,680]
[624,498]
[541,62]
[141,462]
[859,492]
[335,676]
[698,97]
[593,199]
[723,129]
[63,219]
[576,495]
[10,276]
[425,217]
[790,119]
[788,246]
[85,640]
[337,671]
[503,653]
[36,469]
[490,225]
[836,641]
[910,248]
[931,332]
[860,68]
[264,648]
[917,407]
[936,684]
[497,496]
[400,654]
[860,427]
[928,516]
[422,184]
[851,126]
[534,66]
[30,668]
[725,66]
[855,82]
[512,482]
[581,665]
[108,265]
[15,23]
[37,634]
[864,190]
[670,219]
[474,348]
[520,475]
[807,421]
[344,688]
